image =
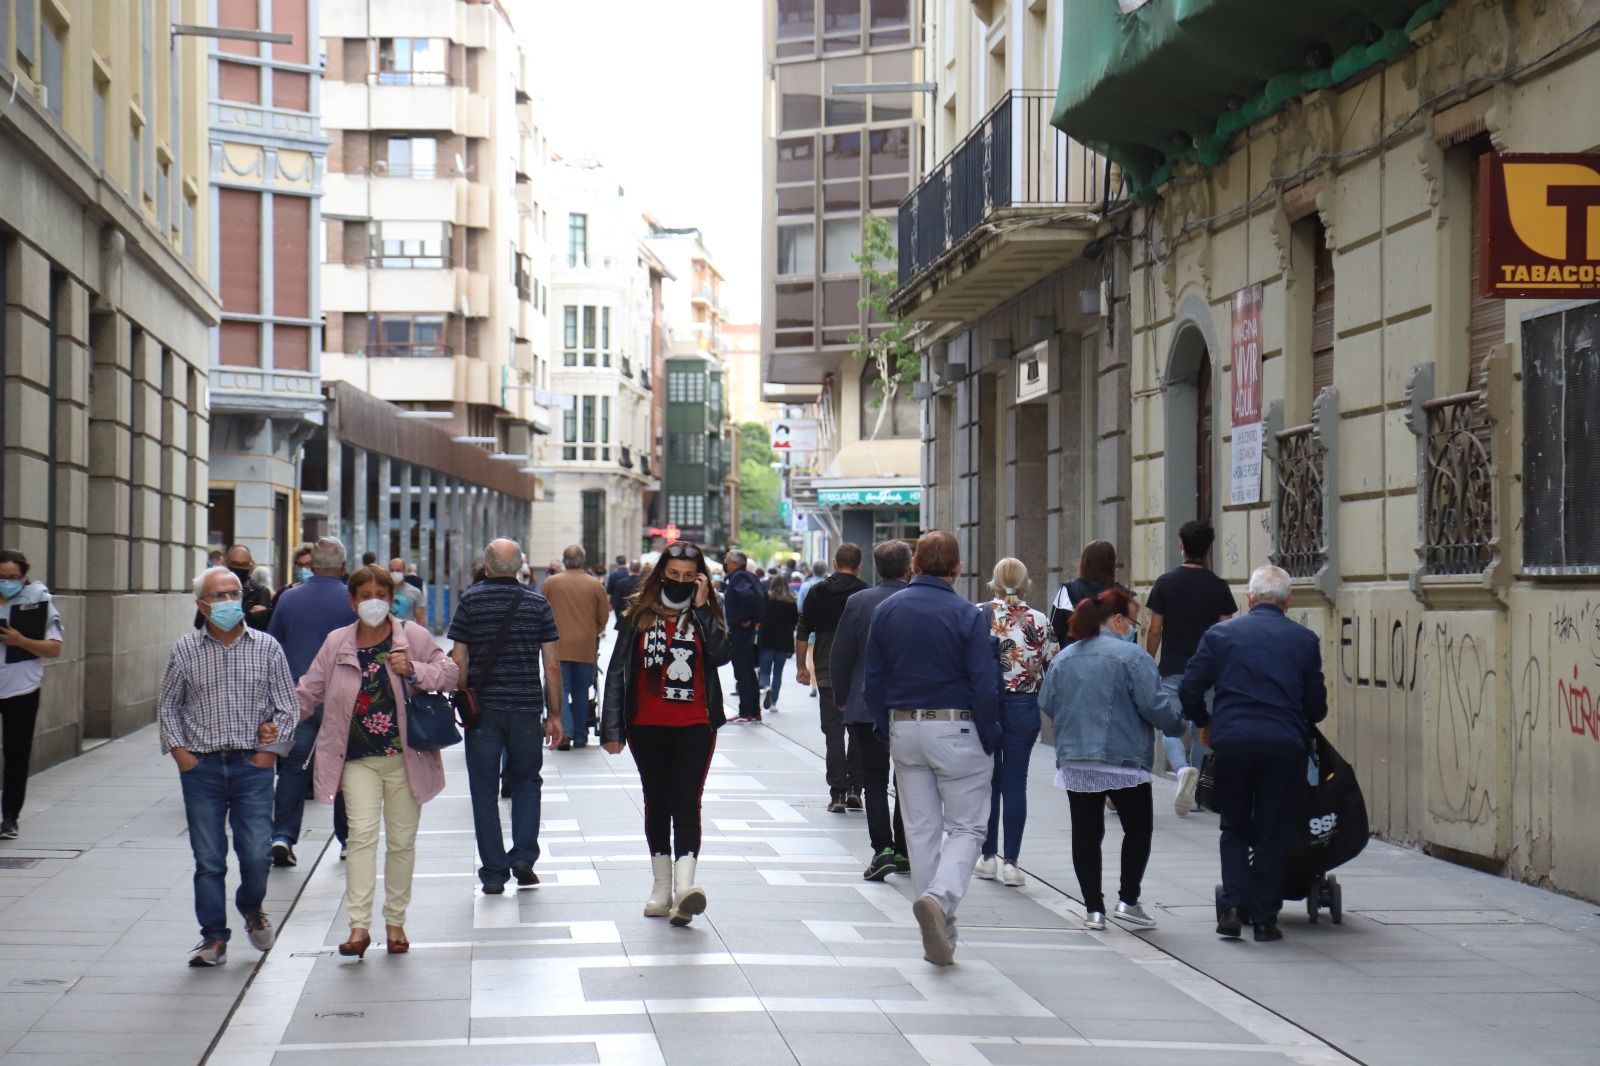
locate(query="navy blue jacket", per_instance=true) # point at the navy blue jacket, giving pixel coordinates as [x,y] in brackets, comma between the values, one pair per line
[928,648]
[304,617]
[845,666]
[743,600]
[1267,672]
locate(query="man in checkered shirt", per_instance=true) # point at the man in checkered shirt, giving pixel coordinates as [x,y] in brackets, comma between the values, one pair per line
[227,693]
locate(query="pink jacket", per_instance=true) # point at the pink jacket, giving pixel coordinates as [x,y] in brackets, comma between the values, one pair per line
[334,681]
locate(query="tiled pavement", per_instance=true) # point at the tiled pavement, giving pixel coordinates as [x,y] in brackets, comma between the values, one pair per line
[796,961]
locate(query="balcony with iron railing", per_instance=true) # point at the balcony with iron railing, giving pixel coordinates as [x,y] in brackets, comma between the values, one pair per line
[625,457]
[1013,202]
[627,367]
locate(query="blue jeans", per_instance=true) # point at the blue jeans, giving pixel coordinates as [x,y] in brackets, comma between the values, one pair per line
[518,737]
[226,790]
[1173,746]
[769,669]
[576,680]
[1019,712]
[289,801]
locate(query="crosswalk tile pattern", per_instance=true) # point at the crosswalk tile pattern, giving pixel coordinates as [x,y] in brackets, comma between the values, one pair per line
[796,961]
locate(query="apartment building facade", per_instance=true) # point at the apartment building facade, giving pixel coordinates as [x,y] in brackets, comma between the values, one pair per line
[266,160]
[842,139]
[602,318]
[105,252]
[1322,371]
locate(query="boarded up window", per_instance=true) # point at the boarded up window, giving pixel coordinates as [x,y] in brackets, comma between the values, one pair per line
[1321,311]
[289,16]
[291,256]
[1486,317]
[239,218]
[238,15]
[239,344]
[1561,440]
[238,81]
[291,347]
[291,91]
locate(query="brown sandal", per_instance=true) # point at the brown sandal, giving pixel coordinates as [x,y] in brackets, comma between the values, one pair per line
[356,947]
[396,944]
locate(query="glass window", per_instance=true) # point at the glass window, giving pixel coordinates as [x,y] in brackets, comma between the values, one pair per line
[797,200]
[605,420]
[569,426]
[99,125]
[888,192]
[794,310]
[841,303]
[577,240]
[800,96]
[588,327]
[797,27]
[846,110]
[1561,376]
[797,249]
[412,157]
[605,328]
[569,326]
[891,22]
[841,155]
[841,240]
[412,61]
[797,160]
[50,63]
[588,418]
[411,245]
[891,150]
[841,25]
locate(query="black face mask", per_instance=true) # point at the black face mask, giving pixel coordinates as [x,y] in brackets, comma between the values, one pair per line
[242,573]
[676,592]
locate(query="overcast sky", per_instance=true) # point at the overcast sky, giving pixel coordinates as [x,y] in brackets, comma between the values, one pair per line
[668,94]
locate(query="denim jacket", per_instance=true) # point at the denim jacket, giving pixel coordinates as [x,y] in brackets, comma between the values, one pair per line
[1106,701]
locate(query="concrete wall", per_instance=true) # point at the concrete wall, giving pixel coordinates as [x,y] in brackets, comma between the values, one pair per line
[1466,706]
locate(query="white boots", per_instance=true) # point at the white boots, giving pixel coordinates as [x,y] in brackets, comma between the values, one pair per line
[659,905]
[689,898]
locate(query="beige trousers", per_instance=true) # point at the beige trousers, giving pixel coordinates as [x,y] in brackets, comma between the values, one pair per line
[372,787]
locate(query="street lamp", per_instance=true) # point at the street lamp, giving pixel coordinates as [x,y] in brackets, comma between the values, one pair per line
[433,416]
[222,33]
[870,88]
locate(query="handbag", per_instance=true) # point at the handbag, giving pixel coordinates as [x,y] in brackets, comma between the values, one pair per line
[465,697]
[430,721]
[1205,791]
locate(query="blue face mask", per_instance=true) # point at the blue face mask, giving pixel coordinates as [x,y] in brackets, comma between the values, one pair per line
[9,589]
[227,614]
[1131,636]
[302,575]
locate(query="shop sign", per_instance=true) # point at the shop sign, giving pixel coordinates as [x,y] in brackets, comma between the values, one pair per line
[791,436]
[911,497]
[1539,225]
[1245,354]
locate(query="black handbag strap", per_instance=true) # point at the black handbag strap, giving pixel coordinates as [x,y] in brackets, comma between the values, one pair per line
[499,642]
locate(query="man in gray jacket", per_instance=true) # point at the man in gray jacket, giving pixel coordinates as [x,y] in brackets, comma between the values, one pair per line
[847,666]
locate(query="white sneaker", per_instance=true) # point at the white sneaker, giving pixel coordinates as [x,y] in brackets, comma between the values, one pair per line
[1094,920]
[1188,780]
[986,868]
[1011,876]
[1133,914]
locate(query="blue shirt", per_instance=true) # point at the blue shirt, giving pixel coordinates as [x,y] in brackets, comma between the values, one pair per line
[928,648]
[1267,672]
[304,617]
[744,600]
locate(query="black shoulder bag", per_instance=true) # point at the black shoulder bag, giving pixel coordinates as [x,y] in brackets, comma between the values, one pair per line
[465,696]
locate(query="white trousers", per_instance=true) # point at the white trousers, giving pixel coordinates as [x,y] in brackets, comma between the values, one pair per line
[377,789]
[943,780]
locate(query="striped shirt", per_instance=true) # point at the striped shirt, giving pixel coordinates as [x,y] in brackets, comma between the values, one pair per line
[214,695]
[515,683]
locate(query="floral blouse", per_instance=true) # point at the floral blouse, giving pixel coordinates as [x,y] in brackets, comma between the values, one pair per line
[1026,645]
[374,725]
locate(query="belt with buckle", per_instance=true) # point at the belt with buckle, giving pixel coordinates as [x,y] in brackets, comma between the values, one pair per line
[932,716]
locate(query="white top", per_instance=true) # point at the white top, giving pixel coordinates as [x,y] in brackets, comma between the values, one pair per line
[19,679]
[1082,775]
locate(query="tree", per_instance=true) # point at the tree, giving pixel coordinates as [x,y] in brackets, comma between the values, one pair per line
[891,350]
[762,530]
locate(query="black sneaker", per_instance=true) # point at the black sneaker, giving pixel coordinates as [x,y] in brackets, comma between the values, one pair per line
[881,866]
[283,854]
[1231,924]
[902,865]
[852,800]
[836,803]
[525,876]
[494,890]
[768,700]
[8,829]
[1267,933]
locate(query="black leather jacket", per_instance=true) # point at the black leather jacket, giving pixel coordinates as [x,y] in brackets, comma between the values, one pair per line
[622,674]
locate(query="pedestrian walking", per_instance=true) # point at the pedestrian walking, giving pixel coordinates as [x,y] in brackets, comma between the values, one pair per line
[930,687]
[1025,645]
[846,665]
[299,575]
[304,617]
[1266,671]
[775,643]
[746,604]
[409,602]
[360,681]
[615,582]
[30,628]
[226,693]
[1184,603]
[581,610]
[819,621]
[1097,571]
[663,700]
[1103,695]
[501,631]
[257,595]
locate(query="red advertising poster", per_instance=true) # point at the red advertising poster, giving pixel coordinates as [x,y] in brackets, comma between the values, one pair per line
[1245,353]
[1539,225]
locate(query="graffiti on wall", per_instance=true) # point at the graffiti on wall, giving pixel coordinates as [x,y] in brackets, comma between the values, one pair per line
[1463,732]
[1576,634]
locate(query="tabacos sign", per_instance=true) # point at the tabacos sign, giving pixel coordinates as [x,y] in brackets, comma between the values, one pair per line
[1539,225]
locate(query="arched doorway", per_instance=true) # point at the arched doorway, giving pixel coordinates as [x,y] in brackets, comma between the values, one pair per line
[1191,437]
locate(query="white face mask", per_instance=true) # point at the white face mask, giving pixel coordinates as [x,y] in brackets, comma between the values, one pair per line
[397,575]
[373,612]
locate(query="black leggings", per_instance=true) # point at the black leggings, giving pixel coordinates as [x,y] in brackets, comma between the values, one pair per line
[1089,829]
[673,762]
[19,714]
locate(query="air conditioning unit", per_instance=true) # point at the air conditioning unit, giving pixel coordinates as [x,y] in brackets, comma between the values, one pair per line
[1033,372]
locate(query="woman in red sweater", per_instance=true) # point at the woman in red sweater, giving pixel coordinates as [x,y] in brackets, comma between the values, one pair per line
[664,701]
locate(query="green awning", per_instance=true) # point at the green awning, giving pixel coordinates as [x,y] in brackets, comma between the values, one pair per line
[1175,79]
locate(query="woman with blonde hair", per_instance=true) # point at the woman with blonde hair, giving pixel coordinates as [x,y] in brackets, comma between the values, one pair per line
[1025,645]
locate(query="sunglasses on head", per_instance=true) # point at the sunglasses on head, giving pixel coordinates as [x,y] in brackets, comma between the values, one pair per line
[683,551]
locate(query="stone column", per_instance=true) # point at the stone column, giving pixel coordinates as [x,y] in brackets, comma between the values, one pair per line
[425,529]
[336,495]
[466,552]
[359,490]
[403,495]
[385,502]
